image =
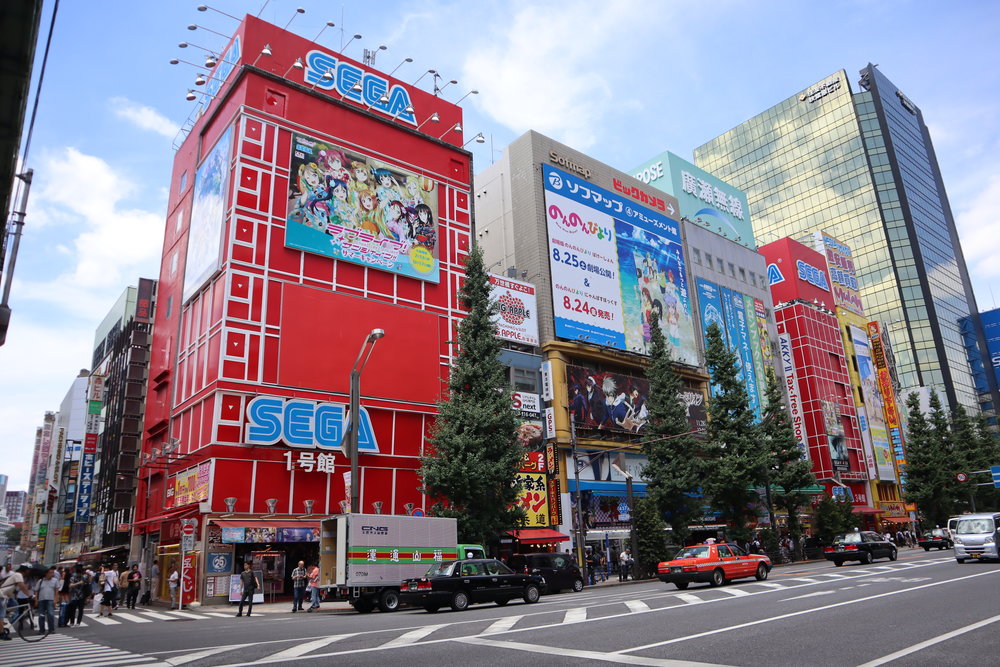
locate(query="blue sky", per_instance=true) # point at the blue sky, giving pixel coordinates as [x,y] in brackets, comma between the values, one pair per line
[621,81]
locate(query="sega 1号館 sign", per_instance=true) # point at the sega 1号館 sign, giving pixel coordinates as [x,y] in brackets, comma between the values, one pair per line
[307,425]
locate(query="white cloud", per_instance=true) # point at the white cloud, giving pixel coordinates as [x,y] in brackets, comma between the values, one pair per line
[143,117]
[977,227]
[548,68]
[112,245]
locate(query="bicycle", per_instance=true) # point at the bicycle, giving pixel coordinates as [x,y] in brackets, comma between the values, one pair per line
[15,620]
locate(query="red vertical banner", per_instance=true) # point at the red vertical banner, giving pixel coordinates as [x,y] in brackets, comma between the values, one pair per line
[189,584]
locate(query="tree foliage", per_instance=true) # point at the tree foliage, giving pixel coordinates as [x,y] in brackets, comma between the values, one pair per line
[651,541]
[737,459]
[833,517]
[673,471]
[470,472]
[929,461]
[790,471]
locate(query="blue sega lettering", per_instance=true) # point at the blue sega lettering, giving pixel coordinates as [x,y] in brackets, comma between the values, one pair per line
[304,424]
[344,76]
[812,275]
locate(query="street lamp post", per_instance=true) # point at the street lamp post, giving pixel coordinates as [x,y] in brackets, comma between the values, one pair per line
[352,441]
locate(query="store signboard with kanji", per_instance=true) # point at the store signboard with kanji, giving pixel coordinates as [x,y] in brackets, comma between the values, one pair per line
[534,499]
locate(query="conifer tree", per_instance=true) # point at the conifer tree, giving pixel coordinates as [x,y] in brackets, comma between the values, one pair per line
[470,474]
[737,460]
[650,539]
[927,461]
[790,471]
[833,518]
[672,474]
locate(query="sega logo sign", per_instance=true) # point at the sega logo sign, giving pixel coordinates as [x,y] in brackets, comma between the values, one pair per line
[305,424]
[345,76]
[812,275]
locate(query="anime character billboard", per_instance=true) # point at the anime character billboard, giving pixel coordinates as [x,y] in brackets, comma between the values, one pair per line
[208,215]
[607,401]
[355,208]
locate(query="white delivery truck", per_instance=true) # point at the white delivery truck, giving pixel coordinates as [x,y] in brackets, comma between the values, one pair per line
[363,558]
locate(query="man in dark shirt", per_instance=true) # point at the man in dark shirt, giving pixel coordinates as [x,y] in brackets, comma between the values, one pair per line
[79,589]
[299,580]
[250,586]
[134,583]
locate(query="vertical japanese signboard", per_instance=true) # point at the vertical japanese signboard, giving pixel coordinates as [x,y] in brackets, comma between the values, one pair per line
[888,392]
[92,424]
[875,406]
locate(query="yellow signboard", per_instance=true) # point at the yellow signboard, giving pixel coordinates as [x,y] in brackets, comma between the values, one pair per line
[534,499]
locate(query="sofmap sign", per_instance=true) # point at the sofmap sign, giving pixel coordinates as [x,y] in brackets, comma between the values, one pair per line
[304,424]
[345,77]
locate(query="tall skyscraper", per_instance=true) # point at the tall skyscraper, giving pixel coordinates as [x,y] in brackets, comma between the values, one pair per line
[861,166]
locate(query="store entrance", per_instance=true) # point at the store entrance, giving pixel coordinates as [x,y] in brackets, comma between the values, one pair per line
[276,564]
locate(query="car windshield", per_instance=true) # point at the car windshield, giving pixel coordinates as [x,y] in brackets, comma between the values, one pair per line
[693,552]
[442,569]
[937,532]
[849,538]
[974,526]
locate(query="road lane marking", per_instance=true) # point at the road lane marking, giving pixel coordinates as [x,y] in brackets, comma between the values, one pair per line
[187,614]
[592,656]
[690,598]
[575,615]
[104,620]
[503,625]
[217,614]
[158,616]
[769,584]
[197,655]
[793,614]
[805,579]
[636,605]
[413,636]
[930,642]
[301,649]
[735,592]
[134,618]
[808,595]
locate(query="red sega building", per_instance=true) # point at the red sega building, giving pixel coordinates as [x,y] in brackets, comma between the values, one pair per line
[308,207]
[811,351]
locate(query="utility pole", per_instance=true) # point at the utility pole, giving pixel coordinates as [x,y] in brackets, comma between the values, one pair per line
[581,530]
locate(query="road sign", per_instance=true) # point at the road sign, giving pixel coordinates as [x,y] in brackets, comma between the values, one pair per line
[961,477]
[187,536]
[995,471]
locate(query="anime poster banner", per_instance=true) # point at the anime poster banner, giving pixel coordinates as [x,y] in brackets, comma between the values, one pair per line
[710,301]
[868,375]
[607,401]
[753,336]
[615,266]
[517,310]
[208,216]
[733,328]
[534,499]
[352,207]
[298,534]
[745,351]
[866,442]
[835,435]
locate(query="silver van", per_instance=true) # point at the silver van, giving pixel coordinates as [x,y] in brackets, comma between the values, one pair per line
[976,536]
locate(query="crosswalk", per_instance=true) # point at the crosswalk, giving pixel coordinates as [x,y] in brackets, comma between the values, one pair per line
[148,616]
[59,650]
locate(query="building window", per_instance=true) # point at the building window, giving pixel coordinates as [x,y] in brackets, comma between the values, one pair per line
[697,255]
[720,265]
[170,306]
[524,379]
[743,274]
[753,279]
[732,270]
[708,260]
[183,183]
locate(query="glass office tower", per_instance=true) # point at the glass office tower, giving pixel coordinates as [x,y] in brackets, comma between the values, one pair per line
[860,165]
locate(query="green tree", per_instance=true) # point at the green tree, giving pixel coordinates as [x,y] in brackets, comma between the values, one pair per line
[13,536]
[470,472]
[833,518]
[673,472]
[651,540]
[737,460]
[928,461]
[790,472]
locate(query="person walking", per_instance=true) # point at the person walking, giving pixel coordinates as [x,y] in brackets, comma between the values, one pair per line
[154,581]
[46,591]
[109,591]
[134,581]
[79,589]
[250,586]
[14,591]
[63,573]
[172,582]
[299,580]
[96,588]
[624,560]
[122,579]
[313,588]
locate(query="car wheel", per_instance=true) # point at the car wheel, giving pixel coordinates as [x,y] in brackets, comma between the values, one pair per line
[718,578]
[502,602]
[431,608]
[761,572]
[838,563]
[531,594]
[577,585]
[388,600]
[894,554]
[960,560]
[927,548]
[460,601]
[364,605]
[866,558]
[681,585]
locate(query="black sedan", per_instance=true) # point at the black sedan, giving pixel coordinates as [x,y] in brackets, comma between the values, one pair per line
[864,546]
[936,539]
[459,583]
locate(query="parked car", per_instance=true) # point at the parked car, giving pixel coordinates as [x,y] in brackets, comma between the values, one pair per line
[459,583]
[936,539]
[864,546]
[714,563]
[558,570]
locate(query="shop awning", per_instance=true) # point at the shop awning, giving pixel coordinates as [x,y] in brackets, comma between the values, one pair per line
[99,554]
[896,519]
[167,516]
[614,489]
[865,509]
[537,535]
[252,523]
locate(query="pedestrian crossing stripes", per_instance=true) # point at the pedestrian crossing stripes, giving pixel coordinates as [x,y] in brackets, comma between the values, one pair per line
[58,650]
[146,616]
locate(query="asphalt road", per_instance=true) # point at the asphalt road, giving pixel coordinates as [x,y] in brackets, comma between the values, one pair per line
[924,609]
